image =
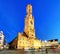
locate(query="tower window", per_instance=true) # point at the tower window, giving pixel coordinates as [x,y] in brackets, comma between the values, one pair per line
[32,35]
[31,22]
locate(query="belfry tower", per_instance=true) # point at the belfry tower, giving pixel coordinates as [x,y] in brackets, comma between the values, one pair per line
[29,22]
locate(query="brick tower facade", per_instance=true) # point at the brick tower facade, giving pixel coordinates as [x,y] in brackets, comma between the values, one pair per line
[29,22]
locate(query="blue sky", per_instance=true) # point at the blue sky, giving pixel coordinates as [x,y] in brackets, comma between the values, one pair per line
[46,15]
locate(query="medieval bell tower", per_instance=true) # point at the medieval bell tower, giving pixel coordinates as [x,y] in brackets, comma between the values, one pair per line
[29,22]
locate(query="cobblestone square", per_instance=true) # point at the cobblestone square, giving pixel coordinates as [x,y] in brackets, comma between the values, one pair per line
[29,52]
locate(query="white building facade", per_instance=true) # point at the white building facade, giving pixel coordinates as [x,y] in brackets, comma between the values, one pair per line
[1,39]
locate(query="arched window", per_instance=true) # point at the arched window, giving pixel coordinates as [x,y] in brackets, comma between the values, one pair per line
[31,22]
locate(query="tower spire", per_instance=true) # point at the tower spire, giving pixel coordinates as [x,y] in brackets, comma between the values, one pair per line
[29,22]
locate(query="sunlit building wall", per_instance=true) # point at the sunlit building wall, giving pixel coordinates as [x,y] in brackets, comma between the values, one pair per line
[37,44]
[22,41]
[1,38]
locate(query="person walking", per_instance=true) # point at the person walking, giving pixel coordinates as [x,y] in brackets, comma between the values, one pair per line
[46,51]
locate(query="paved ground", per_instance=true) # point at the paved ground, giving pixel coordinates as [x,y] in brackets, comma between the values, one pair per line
[29,52]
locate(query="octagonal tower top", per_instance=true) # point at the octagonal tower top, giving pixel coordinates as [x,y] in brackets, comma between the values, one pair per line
[29,9]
